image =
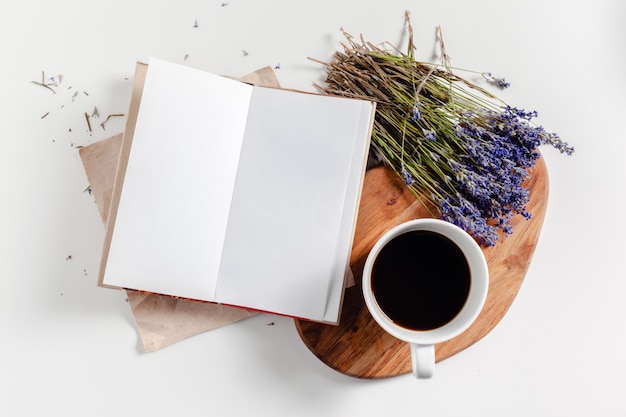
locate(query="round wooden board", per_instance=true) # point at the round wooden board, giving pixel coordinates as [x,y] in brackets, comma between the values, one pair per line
[358,346]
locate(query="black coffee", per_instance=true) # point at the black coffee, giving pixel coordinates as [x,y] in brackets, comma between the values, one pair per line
[421,280]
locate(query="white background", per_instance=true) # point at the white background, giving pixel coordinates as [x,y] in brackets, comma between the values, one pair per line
[69,348]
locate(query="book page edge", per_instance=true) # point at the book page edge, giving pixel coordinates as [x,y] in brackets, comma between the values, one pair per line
[141,70]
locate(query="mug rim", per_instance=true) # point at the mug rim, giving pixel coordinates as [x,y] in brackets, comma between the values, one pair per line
[479,282]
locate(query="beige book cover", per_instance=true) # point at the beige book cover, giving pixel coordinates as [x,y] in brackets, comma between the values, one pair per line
[236,194]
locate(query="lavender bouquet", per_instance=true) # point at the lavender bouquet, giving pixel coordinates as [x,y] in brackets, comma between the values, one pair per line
[454,143]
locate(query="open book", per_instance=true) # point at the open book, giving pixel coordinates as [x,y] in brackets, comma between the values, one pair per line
[237,194]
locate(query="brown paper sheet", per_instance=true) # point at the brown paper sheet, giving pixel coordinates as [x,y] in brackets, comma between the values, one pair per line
[161,320]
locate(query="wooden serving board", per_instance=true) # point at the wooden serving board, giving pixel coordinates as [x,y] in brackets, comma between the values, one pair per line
[358,346]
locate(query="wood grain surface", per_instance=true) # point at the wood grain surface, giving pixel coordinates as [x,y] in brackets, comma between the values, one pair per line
[358,346]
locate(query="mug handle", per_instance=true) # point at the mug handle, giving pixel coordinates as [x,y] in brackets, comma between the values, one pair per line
[423,360]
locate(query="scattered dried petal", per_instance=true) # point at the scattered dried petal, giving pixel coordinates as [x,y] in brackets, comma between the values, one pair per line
[88,121]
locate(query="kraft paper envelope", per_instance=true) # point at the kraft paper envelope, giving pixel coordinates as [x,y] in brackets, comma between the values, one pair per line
[161,320]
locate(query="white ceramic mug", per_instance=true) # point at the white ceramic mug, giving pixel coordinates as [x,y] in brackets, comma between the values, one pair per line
[410,250]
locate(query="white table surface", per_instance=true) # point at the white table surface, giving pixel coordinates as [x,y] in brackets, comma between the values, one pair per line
[69,348]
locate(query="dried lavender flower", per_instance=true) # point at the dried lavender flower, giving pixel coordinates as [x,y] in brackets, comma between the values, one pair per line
[451,141]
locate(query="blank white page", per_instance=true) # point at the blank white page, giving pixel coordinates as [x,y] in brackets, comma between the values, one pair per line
[287,216]
[174,206]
